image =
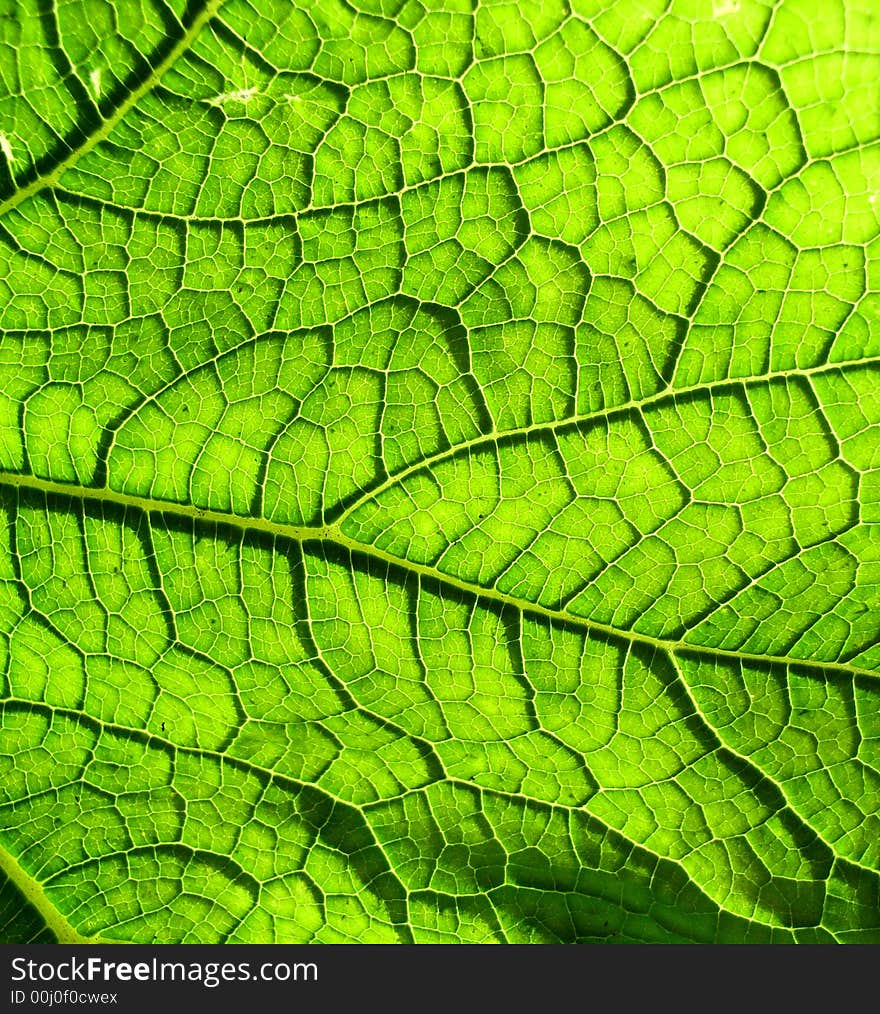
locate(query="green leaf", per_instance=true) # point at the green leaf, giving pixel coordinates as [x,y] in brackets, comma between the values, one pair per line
[440,468]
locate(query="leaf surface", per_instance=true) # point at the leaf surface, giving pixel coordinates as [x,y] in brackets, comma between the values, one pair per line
[440,468]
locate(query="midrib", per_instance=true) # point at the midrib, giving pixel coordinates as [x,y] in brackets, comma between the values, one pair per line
[33,891]
[333,534]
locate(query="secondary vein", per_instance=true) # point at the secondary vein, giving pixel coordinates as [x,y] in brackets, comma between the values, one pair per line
[106,126]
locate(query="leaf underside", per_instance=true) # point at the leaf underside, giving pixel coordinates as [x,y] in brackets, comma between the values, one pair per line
[439,460]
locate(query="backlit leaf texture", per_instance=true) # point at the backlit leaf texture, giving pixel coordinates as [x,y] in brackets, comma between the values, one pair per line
[440,471]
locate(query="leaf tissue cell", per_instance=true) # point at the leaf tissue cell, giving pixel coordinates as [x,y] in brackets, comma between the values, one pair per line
[440,471]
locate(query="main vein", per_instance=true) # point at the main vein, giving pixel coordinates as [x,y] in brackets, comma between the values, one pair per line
[334,535]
